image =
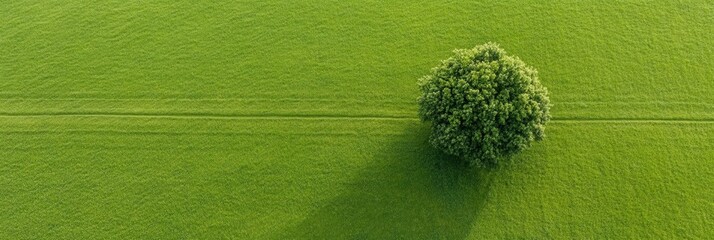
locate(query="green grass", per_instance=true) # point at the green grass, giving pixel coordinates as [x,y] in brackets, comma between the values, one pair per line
[131,177]
[273,56]
[297,119]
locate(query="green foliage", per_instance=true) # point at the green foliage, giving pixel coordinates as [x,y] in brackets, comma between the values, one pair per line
[483,104]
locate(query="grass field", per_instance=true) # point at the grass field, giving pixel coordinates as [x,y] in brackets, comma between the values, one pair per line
[297,119]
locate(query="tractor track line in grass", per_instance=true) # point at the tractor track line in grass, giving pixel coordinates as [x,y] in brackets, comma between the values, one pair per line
[204,100]
[635,120]
[329,117]
[268,99]
[216,116]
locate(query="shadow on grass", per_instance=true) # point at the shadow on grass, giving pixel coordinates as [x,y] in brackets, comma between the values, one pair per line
[412,192]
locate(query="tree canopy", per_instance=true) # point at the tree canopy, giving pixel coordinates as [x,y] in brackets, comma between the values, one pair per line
[483,105]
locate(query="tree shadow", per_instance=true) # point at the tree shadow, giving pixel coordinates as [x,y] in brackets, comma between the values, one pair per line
[412,192]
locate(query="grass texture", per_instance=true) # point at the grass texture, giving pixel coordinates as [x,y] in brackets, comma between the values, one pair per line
[297,119]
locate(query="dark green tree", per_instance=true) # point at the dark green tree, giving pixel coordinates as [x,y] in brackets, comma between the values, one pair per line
[483,105]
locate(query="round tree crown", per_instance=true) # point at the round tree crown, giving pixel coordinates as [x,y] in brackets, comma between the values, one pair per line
[483,104]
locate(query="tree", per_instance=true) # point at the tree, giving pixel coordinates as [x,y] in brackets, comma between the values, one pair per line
[483,105]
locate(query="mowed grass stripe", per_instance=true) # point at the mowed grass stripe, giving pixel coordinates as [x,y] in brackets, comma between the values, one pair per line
[309,117]
[215,116]
[330,106]
[346,179]
[248,106]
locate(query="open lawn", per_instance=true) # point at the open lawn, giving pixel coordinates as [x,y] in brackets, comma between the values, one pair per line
[297,119]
